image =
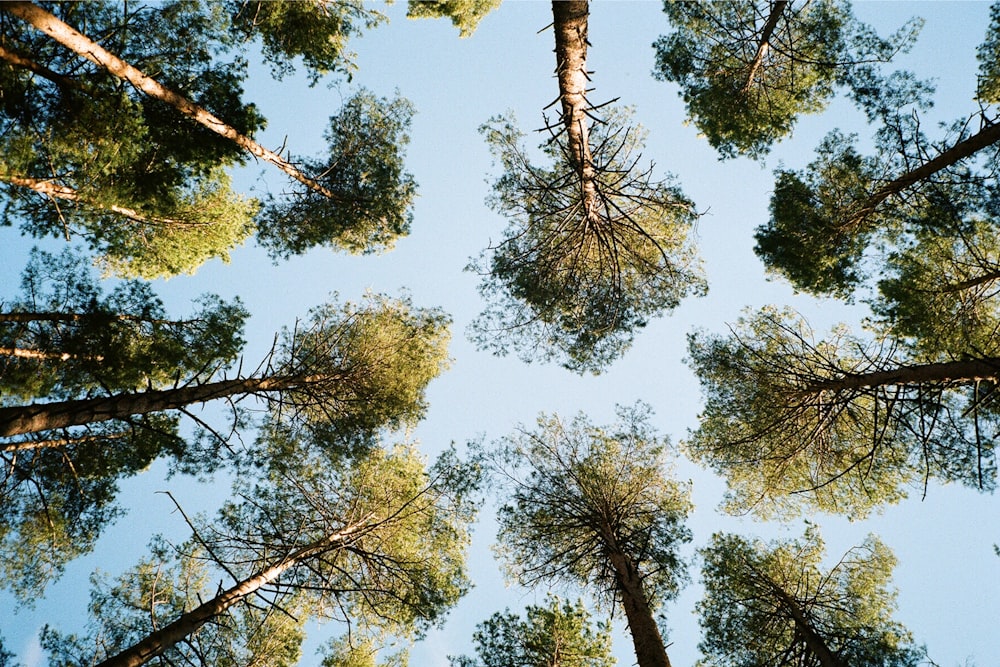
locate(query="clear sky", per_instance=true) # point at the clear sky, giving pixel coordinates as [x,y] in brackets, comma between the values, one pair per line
[947,573]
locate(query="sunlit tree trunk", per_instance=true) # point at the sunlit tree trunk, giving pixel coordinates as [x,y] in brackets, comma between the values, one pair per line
[161,640]
[941,372]
[570,26]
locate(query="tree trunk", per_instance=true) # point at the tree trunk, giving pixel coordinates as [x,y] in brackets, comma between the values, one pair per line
[763,44]
[942,372]
[188,623]
[84,47]
[55,191]
[808,633]
[646,638]
[17,420]
[570,27]
[984,138]
[26,317]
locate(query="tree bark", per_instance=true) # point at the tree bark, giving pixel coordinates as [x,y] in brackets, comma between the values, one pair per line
[56,191]
[25,317]
[42,71]
[23,353]
[84,47]
[17,420]
[161,640]
[763,44]
[982,139]
[646,637]
[942,372]
[570,27]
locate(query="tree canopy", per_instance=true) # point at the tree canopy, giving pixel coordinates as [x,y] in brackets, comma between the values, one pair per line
[595,507]
[777,604]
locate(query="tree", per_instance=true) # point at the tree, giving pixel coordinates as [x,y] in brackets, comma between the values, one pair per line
[374,539]
[82,156]
[558,634]
[841,424]
[774,604]
[747,70]
[826,220]
[595,246]
[158,210]
[592,506]
[354,367]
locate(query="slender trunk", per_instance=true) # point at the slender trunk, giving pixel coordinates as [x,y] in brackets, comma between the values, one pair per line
[763,44]
[984,279]
[570,27]
[984,138]
[812,639]
[84,47]
[22,353]
[646,638]
[188,623]
[971,370]
[56,191]
[17,420]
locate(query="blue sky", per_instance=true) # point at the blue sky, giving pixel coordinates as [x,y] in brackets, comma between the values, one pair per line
[947,573]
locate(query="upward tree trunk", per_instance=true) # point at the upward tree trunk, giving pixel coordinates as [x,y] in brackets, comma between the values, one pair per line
[85,47]
[23,353]
[812,639]
[188,623]
[646,638]
[17,420]
[570,26]
[764,43]
[984,138]
[42,71]
[942,372]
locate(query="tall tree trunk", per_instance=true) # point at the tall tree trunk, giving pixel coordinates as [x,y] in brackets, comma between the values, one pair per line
[570,27]
[37,417]
[646,638]
[188,623]
[56,191]
[982,139]
[85,47]
[812,639]
[764,43]
[942,372]
[25,317]
[26,63]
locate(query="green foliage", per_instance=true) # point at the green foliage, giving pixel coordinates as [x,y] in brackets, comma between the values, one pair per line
[581,494]
[813,237]
[58,492]
[318,32]
[86,343]
[774,604]
[364,170]
[157,590]
[938,291]
[745,88]
[371,362]
[574,285]
[349,652]
[559,634]
[989,60]
[146,191]
[402,566]
[791,423]
[464,14]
